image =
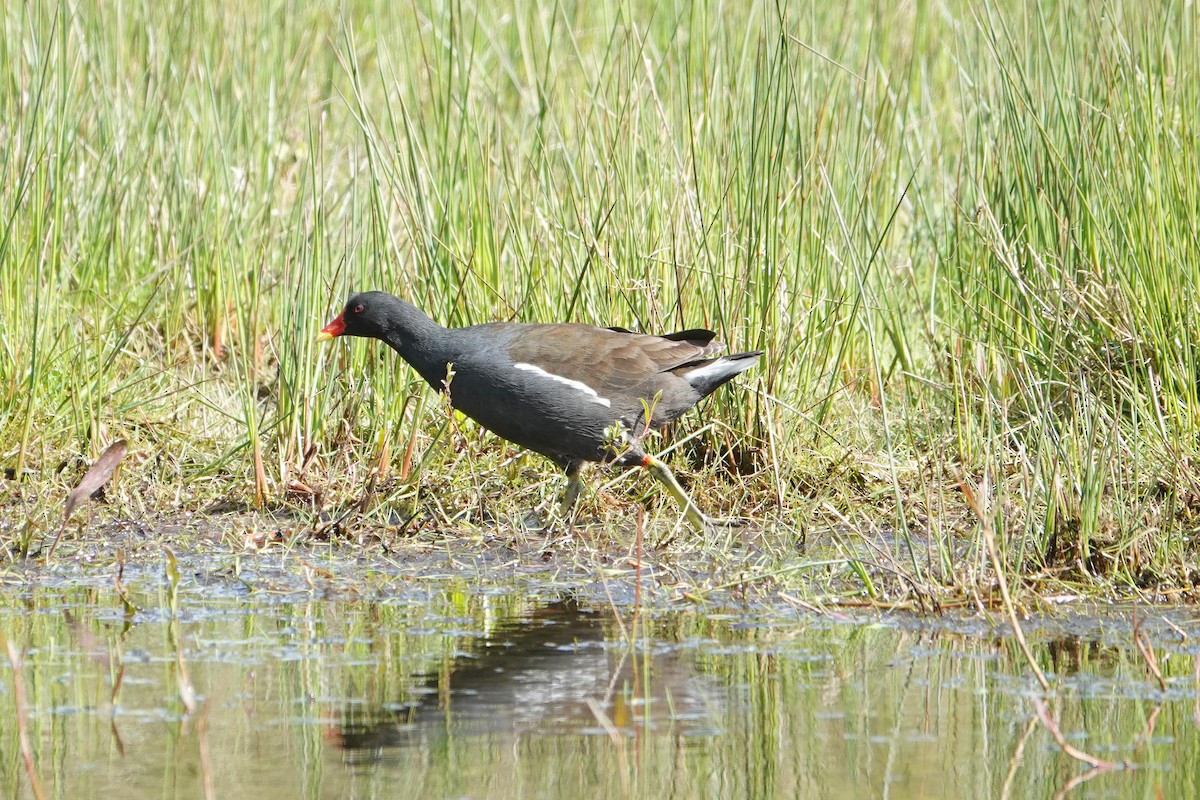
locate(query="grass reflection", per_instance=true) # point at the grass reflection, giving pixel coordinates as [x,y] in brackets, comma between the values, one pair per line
[472,693]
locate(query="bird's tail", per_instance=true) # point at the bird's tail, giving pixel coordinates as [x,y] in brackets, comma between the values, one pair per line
[706,376]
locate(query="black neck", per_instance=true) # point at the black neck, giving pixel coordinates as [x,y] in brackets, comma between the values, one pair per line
[420,341]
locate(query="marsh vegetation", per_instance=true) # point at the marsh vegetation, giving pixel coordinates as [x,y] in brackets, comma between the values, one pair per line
[964,233]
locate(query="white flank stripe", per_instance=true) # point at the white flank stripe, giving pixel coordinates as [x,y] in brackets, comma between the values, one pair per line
[592,394]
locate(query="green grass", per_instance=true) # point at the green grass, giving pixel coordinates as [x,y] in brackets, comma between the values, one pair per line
[965,234]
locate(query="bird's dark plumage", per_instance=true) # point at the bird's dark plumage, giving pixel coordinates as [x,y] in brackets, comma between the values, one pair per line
[557,389]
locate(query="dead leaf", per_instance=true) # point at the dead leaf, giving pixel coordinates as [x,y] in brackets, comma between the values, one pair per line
[97,476]
[92,480]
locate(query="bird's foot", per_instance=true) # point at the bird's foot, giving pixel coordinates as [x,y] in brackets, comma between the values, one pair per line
[726,522]
[701,522]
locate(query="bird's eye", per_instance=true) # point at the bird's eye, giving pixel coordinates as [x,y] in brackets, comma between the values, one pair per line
[358,309]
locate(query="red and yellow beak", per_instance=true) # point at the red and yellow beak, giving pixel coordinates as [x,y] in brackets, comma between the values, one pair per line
[335,328]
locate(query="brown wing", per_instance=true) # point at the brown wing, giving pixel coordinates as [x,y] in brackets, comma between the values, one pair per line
[614,359]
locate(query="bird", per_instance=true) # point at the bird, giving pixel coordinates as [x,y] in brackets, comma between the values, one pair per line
[572,392]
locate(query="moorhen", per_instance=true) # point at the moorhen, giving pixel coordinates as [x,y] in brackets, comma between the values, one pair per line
[571,392]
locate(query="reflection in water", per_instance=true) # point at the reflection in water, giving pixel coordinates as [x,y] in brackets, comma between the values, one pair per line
[560,669]
[385,697]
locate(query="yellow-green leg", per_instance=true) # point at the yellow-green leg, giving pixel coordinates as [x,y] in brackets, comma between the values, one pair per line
[690,510]
[574,487]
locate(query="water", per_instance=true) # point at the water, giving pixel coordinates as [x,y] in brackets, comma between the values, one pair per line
[357,686]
